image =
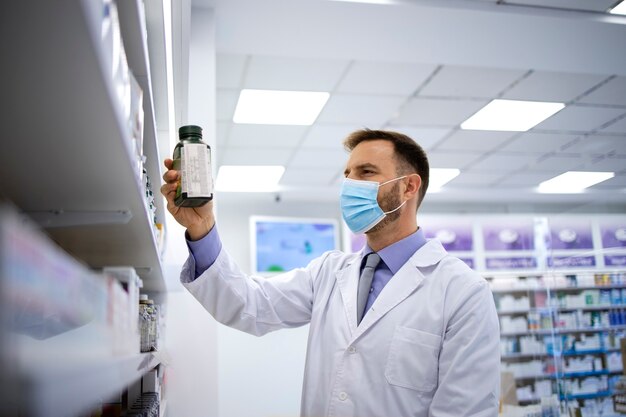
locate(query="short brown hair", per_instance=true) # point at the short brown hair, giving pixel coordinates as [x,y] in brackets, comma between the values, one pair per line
[411,156]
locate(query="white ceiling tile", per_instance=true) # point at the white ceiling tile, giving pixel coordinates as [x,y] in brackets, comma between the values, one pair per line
[499,161]
[613,92]
[229,70]
[580,118]
[426,137]
[437,112]
[318,158]
[525,179]
[297,74]
[617,127]
[385,78]
[222,131]
[255,156]
[297,177]
[597,144]
[612,164]
[552,86]
[362,110]
[474,140]
[443,159]
[538,142]
[475,178]
[592,5]
[455,81]
[266,136]
[226,101]
[559,164]
[327,136]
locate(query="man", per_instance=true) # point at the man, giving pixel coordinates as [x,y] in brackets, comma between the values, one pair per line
[421,340]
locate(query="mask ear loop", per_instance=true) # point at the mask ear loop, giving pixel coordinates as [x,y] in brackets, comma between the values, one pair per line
[396,209]
[394,179]
[405,201]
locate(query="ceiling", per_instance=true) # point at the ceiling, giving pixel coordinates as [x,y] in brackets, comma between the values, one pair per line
[422,68]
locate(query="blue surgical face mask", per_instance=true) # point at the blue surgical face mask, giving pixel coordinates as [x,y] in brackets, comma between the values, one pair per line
[359,204]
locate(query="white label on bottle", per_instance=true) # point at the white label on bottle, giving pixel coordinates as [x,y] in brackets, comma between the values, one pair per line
[196,170]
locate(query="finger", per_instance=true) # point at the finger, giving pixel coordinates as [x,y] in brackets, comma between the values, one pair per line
[169,164]
[168,191]
[170,176]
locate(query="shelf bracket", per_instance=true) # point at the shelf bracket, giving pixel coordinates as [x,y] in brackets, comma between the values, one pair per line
[62,218]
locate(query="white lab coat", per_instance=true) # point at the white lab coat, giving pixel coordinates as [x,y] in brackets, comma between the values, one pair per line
[429,345]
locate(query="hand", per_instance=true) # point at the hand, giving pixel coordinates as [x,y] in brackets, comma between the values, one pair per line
[198,220]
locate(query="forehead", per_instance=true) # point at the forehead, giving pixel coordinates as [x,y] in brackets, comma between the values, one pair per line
[377,152]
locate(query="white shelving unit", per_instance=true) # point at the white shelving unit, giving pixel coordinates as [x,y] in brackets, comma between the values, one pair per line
[68,160]
[68,389]
[68,165]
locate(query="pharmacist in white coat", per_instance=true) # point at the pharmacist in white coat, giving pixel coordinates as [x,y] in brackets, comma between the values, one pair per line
[399,329]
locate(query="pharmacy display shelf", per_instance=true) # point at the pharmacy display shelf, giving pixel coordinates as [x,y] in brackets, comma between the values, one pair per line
[568,375]
[499,290]
[569,397]
[559,309]
[512,356]
[133,28]
[69,147]
[57,389]
[564,331]
[554,289]
[589,396]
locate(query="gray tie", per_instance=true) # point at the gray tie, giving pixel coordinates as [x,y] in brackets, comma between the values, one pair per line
[365,282]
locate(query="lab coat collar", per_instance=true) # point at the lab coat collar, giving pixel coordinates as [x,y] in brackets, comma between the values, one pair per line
[403,284]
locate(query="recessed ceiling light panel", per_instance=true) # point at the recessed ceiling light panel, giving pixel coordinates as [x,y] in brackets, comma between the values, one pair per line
[511,115]
[275,107]
[619,9]
[441,176]
[573,182]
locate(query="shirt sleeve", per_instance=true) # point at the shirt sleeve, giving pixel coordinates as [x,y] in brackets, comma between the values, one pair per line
[204,251]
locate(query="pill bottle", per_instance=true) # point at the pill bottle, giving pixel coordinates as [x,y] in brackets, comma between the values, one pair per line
[192,159]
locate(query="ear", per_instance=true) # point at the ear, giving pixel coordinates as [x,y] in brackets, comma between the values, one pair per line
[413,185]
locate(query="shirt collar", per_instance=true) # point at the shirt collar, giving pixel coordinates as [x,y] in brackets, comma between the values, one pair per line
[397,254]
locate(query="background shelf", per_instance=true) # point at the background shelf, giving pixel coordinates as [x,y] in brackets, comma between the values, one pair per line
[70,389]
[69,146]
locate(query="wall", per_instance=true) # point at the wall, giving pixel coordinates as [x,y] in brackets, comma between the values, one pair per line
[191,332]
[260,376]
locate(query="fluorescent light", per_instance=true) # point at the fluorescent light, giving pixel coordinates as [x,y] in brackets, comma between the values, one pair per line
[573,181]
[619,9]
[441,176]
[511,115]
[273,107]
[232,178]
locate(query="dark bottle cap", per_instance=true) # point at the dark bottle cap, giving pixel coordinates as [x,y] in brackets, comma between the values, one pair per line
[189,130]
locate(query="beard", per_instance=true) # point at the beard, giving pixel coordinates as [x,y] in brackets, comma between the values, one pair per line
[388,202]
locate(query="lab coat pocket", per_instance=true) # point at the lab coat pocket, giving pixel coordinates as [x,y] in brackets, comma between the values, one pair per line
[412,361]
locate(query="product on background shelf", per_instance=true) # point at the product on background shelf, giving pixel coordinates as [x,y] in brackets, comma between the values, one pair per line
[150,323]
[579,320]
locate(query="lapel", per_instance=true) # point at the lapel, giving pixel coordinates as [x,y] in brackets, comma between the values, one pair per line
[406,281]
[348,280]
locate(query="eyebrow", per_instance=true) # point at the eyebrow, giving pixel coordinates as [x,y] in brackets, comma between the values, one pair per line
[361,167]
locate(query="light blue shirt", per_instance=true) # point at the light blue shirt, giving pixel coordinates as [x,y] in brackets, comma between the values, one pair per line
[204,251]
[391,260]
